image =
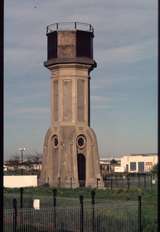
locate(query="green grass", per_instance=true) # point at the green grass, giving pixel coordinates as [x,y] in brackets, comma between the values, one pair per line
[109,199]
[132,194]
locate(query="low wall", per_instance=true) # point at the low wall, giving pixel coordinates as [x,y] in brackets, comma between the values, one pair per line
[20,181]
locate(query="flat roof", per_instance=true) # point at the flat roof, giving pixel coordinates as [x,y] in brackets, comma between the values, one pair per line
[147,154]
[118,158]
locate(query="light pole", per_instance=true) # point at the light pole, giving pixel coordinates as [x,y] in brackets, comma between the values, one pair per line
[22,150]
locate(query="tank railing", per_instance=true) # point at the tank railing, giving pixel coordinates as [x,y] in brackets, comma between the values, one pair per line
[69,26]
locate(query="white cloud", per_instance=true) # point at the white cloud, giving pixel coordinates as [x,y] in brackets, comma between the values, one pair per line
[128,54]
[125,33]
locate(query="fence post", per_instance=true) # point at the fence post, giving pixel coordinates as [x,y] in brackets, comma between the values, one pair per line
[116,181]
[71,182]
[128,182]
[139,184]
[81,213]
[144,181]
[93,209]
[21,198]
[139,214]
[54,206]
[59,182]
[111,181]
[14,215]
[98,182]
[21,205]
[151,180]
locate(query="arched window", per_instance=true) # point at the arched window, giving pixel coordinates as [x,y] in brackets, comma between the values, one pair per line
[55,141]
[81,141]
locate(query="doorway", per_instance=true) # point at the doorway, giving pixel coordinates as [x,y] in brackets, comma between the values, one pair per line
[81,163]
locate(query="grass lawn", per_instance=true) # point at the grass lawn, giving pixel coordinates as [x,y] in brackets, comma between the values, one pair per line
[111,201]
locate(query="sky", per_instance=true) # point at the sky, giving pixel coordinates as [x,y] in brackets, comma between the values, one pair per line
[123,86]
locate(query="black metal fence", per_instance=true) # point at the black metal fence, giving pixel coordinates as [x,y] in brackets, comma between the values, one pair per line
[79,215]
[93,218]
[131,180]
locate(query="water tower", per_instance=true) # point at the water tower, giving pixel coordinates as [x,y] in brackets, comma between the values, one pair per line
[70,155]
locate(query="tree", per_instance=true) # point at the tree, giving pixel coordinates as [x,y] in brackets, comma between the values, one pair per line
[36,158]
[33,162]
[14,161]
[29,162]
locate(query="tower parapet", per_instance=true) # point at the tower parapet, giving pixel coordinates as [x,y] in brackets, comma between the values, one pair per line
[70,42]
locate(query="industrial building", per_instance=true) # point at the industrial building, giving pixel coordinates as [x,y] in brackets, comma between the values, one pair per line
[130,163]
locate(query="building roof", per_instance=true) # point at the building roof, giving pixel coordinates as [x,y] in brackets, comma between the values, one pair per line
[146,154]
[132,154]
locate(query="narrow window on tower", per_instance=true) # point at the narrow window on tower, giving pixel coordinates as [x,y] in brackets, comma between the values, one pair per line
[80,100]
[55,100]
[67,100]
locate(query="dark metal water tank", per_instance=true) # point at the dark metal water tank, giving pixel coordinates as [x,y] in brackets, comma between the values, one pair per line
[70,43]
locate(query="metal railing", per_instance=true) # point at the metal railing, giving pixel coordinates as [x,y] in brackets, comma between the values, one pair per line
[57,213]
[71,219]
[69,26]
[128,181]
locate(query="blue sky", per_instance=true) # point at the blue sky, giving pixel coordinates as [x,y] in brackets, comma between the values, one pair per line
[123,86]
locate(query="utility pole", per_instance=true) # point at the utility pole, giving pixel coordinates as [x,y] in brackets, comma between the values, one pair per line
[22,150]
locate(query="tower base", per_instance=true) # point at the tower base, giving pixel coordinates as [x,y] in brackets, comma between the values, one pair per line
[70,158]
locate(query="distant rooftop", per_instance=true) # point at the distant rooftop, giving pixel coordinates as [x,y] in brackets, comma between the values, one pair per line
[109,158]
[118,158]
[69,26]
[146,154]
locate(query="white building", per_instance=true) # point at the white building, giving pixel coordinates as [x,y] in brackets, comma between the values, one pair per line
[132,163]
[138,163]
